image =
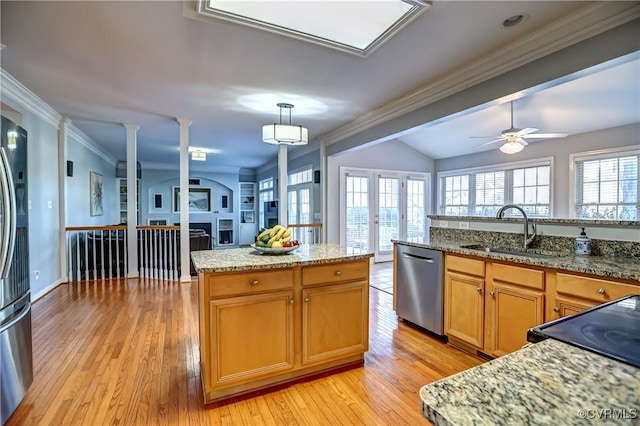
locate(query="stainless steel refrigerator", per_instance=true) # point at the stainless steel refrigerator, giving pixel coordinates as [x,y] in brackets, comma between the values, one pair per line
[16,362]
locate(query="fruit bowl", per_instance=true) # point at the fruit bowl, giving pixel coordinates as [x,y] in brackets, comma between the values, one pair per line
[277,250]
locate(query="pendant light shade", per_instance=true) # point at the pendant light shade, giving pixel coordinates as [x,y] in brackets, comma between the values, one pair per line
[285,133]
[511,147]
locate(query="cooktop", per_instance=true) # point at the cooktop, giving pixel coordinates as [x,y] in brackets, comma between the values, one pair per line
[611,329]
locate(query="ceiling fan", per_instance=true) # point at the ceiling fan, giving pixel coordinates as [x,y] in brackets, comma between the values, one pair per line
[514,139]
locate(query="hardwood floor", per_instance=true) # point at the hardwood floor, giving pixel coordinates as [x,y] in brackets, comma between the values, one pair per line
[126,352]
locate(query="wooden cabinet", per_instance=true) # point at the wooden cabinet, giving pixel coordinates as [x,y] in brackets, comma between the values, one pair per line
[334,321]
[489,306]
[514,303]
[464,300]
[262,327]
[251,336]
[573,293]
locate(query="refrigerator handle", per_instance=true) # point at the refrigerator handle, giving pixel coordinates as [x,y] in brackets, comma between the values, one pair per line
[23,312]
[9,220]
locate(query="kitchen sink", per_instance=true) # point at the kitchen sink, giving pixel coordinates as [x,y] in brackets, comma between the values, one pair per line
[509,251]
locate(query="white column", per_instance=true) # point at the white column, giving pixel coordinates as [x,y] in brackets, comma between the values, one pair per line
[282,185]
[323,186]
[185,260]
[132,196]
[62,197]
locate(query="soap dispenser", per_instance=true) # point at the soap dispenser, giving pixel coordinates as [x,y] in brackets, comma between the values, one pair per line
[583,243]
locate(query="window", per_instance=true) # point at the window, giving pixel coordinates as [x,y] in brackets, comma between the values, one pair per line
[606,185]
[302,176]
[482,191]
[265,194]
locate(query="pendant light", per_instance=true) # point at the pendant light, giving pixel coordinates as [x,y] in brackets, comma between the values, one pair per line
[288,134]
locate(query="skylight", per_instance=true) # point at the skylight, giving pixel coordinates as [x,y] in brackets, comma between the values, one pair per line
[355,26]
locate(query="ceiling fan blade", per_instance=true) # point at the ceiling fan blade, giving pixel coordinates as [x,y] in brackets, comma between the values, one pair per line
[493,141]
[546,135]
[526,131]
[521,141]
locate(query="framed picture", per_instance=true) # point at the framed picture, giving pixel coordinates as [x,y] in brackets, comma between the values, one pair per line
[224,202]
[95,195]
[199,200]
[247,216]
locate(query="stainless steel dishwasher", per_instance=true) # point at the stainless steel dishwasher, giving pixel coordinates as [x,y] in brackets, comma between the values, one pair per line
[419,287]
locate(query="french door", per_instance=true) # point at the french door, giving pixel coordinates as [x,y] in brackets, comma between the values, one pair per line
[299,209]
[379,206]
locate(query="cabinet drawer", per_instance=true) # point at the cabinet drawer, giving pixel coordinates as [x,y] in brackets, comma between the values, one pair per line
[525,277]
[465,265]
[249,282]
[592,288]
[335,272]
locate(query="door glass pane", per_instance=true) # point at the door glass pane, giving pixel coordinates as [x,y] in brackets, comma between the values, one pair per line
[357,212]
[292,207]
[388,212]
[305,205]
[416,215]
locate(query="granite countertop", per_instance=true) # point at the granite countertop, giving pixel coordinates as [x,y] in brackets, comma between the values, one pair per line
[241,259]
[627,268]
[547,383]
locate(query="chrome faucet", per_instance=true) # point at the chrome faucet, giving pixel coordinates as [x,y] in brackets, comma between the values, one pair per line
[528,239]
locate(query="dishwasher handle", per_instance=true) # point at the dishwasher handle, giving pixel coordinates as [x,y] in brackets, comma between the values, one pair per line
[416,257]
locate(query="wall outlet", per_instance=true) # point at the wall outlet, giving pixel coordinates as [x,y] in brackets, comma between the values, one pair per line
[36,274]
[50,204]
[463,225]
[444,224]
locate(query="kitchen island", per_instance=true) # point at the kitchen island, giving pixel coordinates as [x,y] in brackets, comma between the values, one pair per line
[547,383]
[270,319]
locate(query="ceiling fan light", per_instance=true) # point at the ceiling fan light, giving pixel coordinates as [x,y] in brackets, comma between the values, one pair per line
[511,148]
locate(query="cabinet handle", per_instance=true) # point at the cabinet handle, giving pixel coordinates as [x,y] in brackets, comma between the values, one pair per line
[291,301]
[556,309]
[254,282]
[338,272]
[492,293]
[306,299]
[601,290]
[478,289]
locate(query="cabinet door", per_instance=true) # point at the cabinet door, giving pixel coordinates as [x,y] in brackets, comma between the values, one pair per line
[565,306]
[251,337]
[464,308]
[514,311]
[247,233]
[335,321]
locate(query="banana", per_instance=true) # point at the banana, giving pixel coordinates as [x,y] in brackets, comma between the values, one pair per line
[274,230]
[262,234]
[280,233]
[285,239]
[287,233]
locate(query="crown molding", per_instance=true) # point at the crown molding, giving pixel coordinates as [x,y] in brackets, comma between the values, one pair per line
[89,143]
[587,22]
[13,89]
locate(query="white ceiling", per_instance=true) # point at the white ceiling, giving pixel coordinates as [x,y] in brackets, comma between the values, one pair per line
[106,63]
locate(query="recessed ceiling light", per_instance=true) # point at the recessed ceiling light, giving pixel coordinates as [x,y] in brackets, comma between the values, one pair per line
[514,20]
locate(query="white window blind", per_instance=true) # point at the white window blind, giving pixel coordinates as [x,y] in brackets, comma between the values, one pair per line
[607,187]
[481,192]
[357,213]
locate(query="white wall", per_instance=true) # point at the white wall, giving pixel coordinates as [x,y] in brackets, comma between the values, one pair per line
[559,149]
[392,155]
[42,152]
[77,186]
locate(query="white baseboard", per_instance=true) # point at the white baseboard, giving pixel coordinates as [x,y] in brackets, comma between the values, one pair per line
[36,296]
